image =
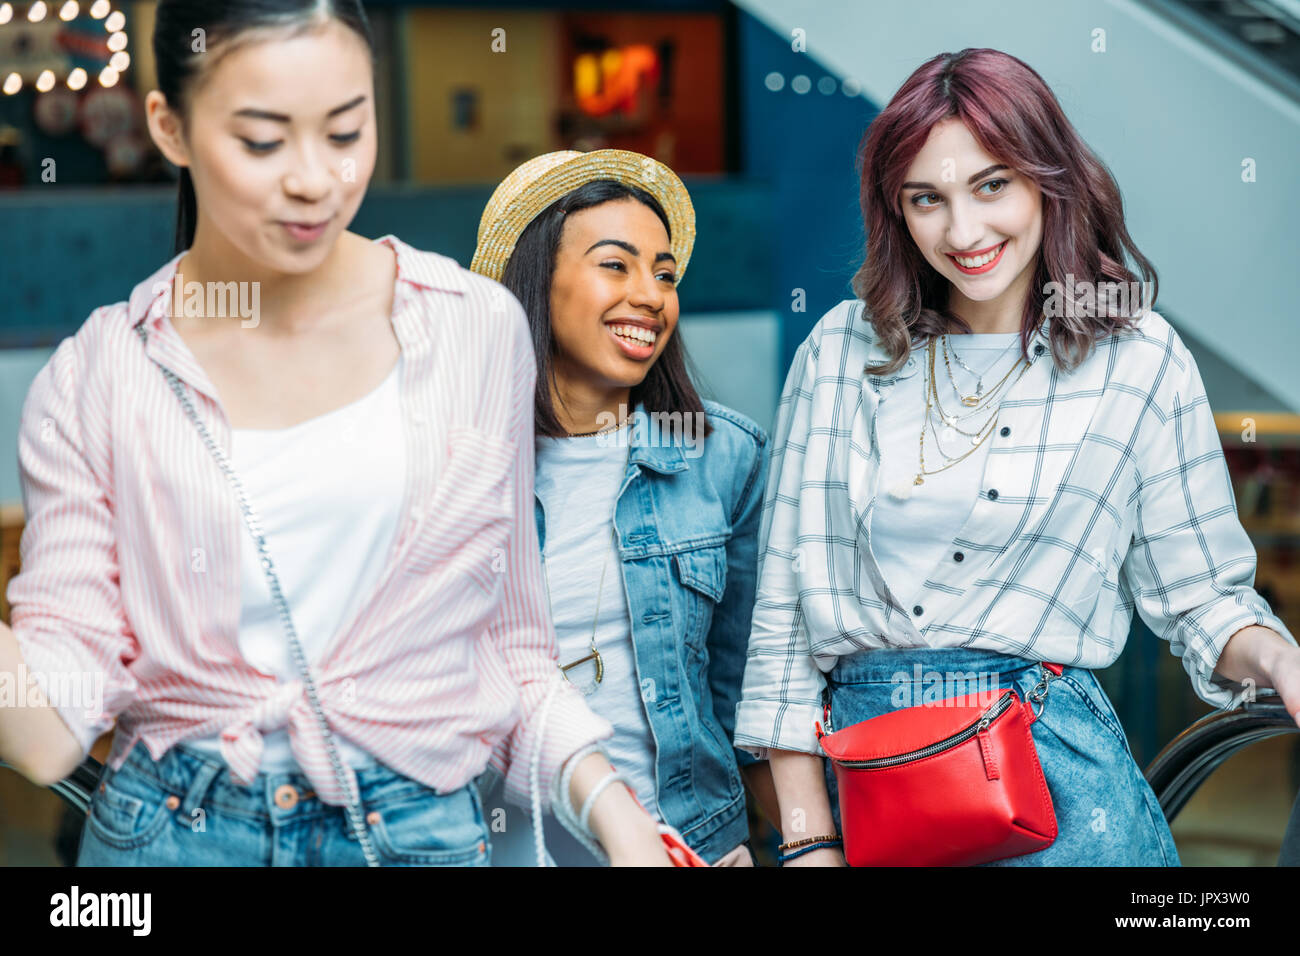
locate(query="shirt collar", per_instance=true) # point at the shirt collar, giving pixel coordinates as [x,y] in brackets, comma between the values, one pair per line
[414,268]
[1042,336]
[654,446]
[150,303]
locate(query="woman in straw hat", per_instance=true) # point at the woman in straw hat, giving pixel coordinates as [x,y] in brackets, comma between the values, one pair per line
[647,496]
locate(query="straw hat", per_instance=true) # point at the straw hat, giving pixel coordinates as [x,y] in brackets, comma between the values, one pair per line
[531,188]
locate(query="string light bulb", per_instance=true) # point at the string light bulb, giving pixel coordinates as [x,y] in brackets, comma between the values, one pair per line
[68,11]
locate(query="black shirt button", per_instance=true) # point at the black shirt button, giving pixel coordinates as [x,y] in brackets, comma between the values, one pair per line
[1005,431]
[993,494]
[1038,349]
[918,610]
[959,556]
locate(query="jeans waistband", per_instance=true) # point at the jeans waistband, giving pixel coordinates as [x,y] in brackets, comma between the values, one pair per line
[902,664]
[195,778]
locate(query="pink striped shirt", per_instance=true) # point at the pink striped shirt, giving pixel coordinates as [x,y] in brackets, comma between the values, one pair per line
[130,556]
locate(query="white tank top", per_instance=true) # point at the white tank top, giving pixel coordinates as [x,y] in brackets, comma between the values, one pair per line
[328,491]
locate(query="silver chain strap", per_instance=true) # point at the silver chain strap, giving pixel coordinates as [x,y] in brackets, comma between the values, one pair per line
[355,817]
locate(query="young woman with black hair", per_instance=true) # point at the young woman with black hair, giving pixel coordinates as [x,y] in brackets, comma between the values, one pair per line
[647,496]
[296,549]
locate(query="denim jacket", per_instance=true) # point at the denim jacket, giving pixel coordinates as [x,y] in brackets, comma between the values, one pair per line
[687,520]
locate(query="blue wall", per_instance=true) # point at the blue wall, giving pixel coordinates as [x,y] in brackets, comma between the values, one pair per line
[63,252]
[805,147]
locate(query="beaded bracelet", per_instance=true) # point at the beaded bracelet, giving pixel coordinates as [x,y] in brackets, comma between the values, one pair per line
[794,844]
[782,860]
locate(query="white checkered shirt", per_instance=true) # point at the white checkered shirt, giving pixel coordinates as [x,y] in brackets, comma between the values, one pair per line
[1109,490]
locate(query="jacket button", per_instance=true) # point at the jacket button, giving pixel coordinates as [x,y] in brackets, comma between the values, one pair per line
[1005,431]
[993,494]
[918,610]
[959,556]
[173,802]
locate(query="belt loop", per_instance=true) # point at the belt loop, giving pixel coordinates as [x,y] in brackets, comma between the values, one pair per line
[193,798]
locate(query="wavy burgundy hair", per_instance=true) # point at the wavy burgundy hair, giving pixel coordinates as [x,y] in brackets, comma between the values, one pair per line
[1015,118]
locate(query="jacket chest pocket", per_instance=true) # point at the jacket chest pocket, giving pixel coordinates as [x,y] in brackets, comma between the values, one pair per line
[703,575]
[464,529]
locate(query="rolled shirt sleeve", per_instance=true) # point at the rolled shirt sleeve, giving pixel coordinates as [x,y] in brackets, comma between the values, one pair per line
[67,612]
[781,694]
[523,631]
[1191,566]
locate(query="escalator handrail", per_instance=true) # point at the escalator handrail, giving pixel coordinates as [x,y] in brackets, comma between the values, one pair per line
[1186,761]
[77,787]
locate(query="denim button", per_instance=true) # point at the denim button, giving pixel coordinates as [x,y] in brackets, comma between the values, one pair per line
[993,494]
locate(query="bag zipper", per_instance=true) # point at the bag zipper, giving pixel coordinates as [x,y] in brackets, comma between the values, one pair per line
[995,711]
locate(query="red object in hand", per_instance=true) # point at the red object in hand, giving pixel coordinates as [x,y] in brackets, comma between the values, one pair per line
[678,851]
[676,847]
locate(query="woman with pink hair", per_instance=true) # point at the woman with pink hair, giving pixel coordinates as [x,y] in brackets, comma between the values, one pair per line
[988,461]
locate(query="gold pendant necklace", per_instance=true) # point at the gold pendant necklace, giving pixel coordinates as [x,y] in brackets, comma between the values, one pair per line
[595,651]
[903,490]
[595,623]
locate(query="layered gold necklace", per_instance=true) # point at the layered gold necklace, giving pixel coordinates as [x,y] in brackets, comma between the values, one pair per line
[978,404]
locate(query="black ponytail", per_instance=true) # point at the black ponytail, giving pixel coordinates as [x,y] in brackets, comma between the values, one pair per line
[184,29]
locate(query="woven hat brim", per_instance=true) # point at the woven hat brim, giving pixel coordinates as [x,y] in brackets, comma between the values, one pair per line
[529,190]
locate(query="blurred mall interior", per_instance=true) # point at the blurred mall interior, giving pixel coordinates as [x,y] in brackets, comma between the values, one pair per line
[759,105]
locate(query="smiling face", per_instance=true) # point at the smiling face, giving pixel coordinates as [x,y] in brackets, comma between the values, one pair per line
[280,140]
[976,221]
[613,295]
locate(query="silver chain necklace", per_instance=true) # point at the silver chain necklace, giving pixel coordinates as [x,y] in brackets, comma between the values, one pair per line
[356,819]
[979,376]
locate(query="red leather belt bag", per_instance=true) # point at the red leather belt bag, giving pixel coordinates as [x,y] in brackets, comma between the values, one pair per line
[952,783]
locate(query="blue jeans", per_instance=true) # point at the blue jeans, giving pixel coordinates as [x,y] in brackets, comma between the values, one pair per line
[186,810]
[1106,812]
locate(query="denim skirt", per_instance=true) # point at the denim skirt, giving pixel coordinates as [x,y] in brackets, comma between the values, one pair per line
[187,810]
[1106,812]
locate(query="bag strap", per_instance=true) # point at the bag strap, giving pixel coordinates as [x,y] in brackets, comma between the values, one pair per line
[254,524]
